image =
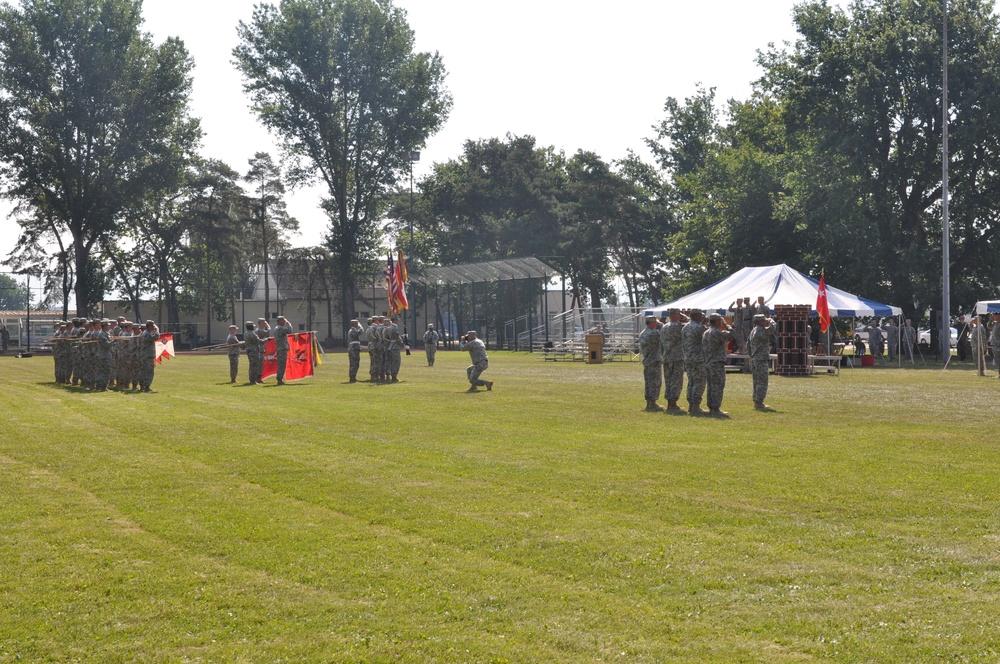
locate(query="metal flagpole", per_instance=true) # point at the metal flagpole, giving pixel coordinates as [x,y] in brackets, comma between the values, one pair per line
[945,239]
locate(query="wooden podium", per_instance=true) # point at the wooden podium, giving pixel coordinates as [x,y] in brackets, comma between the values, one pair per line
[595,348]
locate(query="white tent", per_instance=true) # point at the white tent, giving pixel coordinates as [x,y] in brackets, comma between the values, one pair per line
[988,307]
[779,284]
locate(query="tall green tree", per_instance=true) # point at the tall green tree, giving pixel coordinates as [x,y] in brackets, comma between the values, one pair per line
[861,94]
[340,84]
[268,217]
[93,116]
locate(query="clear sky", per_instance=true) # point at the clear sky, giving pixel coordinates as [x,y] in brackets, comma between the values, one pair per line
[575,75]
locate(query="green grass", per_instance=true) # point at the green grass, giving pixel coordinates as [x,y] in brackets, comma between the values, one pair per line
[550,520]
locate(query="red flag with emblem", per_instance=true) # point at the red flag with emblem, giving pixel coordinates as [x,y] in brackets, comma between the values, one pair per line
[164,347]
[822,307]
[299,363]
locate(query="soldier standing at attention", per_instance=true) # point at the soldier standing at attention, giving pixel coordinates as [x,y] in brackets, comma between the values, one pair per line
[694,360]
[146,362]
[354,334]
[672,347]
[255,353]
[910,338]
[652,363]
[233,352]
[736,311]
[430,343]
[369,337]
[760,361]
[102,354]
[891,338]
[281,332]
[977,336]
[393,349]
[714,345]
[480,361]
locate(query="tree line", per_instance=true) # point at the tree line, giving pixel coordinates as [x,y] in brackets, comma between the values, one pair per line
[833,162]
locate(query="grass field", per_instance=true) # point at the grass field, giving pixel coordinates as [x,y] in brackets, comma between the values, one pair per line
[551,520]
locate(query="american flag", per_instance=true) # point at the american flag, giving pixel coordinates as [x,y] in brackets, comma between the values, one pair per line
[394,288]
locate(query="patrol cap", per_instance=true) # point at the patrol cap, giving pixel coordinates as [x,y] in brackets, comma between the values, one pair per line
[696,310]
[282,318]
[249,323]
[714,318]
[757,317]
[261,320]
[673,310]
[234,327]
[149,322]
[121,319]
[650,319]
[429,325]
[355,320]
[470,332]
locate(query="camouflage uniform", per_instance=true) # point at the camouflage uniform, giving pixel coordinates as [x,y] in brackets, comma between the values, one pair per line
[694,362]
[393,350]
[737,314]
[371,337]
[430,345]
[234,355]
[760,361]
[354,335]
[977,337]
[652,363]
[875,341]
[146,359]
[891,339]
[480,362]
[75,355]
[255,353]
[672,347]
[910,340]
[281,333]
[102,360]
[714,343]
[995,343]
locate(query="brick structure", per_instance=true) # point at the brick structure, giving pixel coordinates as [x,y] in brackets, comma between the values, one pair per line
[792,321]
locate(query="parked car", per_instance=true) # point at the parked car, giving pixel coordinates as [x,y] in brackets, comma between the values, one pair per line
[924,336]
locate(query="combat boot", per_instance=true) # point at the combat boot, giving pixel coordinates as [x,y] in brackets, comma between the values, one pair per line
[695,410]
[652,406]
[717,412]
[672,407]
[489,385]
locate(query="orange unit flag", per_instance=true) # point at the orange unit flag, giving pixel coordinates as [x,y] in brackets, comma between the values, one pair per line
[822,307]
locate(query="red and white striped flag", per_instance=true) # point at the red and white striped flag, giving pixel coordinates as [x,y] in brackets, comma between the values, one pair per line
[164,347]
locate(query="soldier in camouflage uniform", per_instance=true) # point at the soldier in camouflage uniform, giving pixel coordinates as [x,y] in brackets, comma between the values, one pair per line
[281,347]
[431,338]
[736,311]
[977,337]
[891,333]
[672,348]
[995,340]
[102,356]
[694,360]
[146,360]
[123,369]
[255,353]
[75,367]
[354,334]
[652,363]
[714,343]
[760,361]
[910,339]
[379,340]
[393,349]
[233,351]
[480,361]
[57,350]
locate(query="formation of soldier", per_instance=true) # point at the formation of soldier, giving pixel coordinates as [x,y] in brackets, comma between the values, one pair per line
[384,343]
[104,354]
[742,313]
[693,345]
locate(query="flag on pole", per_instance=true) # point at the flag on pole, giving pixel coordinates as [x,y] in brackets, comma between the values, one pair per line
[822,307]
[404,276]
[298,364]
[394,288]
[164,347]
